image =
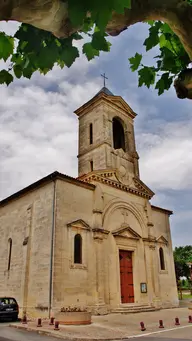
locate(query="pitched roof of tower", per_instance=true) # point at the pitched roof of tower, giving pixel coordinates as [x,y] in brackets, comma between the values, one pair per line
[106,91]
[108,96]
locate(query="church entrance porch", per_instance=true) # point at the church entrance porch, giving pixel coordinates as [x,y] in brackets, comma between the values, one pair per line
[126,276]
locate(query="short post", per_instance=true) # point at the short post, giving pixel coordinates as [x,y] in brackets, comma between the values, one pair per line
[51,323]
[39,323]
[161,324]
[24,319]
[177,323]
[190,319]
[142,326]
[56,325]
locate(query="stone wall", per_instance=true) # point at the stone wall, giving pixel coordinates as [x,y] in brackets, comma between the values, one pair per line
[27,221]
[167,279]
[73,284]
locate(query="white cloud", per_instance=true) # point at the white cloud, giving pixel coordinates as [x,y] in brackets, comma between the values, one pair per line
[166,157]
[39,130]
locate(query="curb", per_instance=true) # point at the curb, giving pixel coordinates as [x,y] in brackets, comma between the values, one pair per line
[51,333]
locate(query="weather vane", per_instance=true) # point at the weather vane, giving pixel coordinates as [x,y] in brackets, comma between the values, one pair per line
[104,78]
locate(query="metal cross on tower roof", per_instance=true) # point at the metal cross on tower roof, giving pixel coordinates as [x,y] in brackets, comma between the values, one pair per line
[104,78]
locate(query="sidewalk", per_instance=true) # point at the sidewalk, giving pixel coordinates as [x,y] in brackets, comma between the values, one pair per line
[113,326]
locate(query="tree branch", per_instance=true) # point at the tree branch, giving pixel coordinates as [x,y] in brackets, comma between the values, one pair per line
[52,15]
[176,13]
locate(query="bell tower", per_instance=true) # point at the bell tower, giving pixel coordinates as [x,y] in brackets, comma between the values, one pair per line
[106,135]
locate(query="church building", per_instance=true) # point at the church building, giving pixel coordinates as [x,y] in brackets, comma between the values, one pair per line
[95,241]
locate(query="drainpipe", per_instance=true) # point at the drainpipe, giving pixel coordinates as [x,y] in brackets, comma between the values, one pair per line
[52,249]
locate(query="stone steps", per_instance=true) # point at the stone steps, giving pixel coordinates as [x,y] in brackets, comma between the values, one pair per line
[131,309]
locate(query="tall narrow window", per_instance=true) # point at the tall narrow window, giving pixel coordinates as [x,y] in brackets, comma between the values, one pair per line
[91,165]
[162,260]
[118,134]
[9,253]
[78,249]
[91,133]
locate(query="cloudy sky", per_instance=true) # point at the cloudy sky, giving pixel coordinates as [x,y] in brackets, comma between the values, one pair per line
[38,130]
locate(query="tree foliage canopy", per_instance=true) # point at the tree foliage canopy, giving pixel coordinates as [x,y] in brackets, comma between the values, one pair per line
[50,27]
[182,255]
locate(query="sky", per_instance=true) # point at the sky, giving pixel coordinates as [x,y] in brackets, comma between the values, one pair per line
[39,131]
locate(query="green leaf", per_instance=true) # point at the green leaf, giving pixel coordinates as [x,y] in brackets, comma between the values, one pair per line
[5,77]
[69,55]
[120,5]
[6,46]
[99,42]
[28,71]
[146,76]
[89,51]
[165,42]
[164,83]
[17,71]
[153,38]
[103,18]
[77,12]
[135,61]
[150,22]
[166,29]
[46,58]
[87,25]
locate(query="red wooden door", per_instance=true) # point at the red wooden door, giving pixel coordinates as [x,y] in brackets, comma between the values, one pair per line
[126,276]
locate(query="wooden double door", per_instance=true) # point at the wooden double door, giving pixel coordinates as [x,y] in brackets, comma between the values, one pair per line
[126,276]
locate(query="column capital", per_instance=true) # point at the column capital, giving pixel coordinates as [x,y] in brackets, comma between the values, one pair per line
[100,234]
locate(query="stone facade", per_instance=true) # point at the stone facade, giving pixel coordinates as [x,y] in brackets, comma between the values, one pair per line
[107,209]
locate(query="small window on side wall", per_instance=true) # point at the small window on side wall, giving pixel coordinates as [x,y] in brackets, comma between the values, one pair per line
[162,259]
[91,133]
[9,253]
[78,249]
[91,166]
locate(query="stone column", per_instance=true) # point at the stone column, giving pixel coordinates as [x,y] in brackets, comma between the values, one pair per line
[99,235]
[149,273]
[132,149]
[155,273]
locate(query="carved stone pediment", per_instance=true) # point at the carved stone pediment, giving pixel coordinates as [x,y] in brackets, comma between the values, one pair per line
[79,224]
[142,187]
[126,231]
[162,240]
[110,178]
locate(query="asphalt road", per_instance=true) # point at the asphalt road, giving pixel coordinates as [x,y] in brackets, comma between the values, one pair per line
[12,334]
[180,334]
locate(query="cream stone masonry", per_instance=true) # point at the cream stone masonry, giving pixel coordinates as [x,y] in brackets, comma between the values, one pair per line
[95,241]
